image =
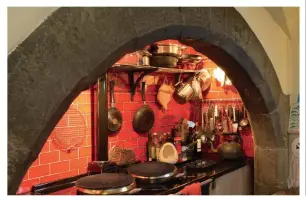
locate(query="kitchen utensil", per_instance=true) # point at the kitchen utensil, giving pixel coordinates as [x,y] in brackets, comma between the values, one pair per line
[163,61]
[71,136]
[205,79]
[209,126]
[167,49]
[114,115]
[168,153]
[144,117]
[244,122]
[231,149]
[164,94]
[183,92]
[229,119]
[145,58]
[195,84]
[218,122]
[235,122]
[224,120]
[190,61]
[211,118]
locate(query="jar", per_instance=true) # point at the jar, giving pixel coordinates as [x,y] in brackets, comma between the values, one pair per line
[178,144]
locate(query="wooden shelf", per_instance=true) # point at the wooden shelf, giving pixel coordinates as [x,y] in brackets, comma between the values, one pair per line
[131,69]
[139,68]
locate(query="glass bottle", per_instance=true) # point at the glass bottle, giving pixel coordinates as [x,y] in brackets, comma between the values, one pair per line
[153,146]
[149,145]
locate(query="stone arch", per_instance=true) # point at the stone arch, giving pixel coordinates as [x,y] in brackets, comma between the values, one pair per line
[74,46]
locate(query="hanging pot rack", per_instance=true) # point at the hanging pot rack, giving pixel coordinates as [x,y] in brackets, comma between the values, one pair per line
[145,70]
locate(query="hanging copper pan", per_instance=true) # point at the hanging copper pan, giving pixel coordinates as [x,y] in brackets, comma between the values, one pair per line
[114,115]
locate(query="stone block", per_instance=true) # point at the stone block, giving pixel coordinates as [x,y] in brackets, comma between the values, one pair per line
[271,166]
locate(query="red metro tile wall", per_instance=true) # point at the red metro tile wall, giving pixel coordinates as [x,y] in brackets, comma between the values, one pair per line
[53,164]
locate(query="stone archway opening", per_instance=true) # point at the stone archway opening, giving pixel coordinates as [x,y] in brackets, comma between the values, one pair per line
[75,46]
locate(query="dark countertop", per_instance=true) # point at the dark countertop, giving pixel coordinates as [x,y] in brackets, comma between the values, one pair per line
[223,167]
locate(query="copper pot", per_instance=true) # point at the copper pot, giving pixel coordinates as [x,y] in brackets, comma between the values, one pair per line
[185,91]
[167,49]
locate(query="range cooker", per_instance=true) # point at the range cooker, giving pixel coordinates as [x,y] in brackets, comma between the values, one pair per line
[188,173]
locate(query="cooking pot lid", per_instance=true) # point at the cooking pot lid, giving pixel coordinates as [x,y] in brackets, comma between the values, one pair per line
[152,170]
[105,181]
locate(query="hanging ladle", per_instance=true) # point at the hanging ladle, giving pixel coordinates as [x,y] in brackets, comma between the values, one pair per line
[244,122]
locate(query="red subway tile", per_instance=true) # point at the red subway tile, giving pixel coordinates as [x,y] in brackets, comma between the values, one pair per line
[137,98]
[130,144]
[85,151]
[63,122]
[70,173]
[36,162]
[124,135]
[39,171]
[78,163]
[131,106]
[88,131]
[151,98]
[85,108]
[89,159]
[26,176]
[127,126]
[88,140]
[122,97]
[49,157]
[140,151]
[120,144]
[83,170]
[27,185]
[46,147]
[81,99]
[59,167]
[49,178]
[127,116]
[113,138]
[142,142]
[119,106]
[66,156]
[134,135]
[53,147]
[212,95]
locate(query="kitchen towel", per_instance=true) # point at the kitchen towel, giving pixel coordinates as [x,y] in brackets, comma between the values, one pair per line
[193,189]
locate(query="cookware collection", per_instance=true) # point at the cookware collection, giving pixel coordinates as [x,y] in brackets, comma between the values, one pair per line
[226,122]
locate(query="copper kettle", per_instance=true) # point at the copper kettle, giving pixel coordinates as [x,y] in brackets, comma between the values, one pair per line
[231,149]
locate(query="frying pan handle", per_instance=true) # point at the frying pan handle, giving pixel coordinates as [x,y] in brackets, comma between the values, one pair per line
[143,89]
[111,90]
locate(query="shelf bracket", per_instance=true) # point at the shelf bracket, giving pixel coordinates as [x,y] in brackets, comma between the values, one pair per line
[133,85]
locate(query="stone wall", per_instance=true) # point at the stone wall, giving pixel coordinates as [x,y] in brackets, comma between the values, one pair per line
[74,46]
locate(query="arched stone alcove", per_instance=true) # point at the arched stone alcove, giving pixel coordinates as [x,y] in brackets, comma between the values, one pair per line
[70,50]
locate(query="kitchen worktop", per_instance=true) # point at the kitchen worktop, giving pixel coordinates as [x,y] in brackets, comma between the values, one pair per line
[172,186]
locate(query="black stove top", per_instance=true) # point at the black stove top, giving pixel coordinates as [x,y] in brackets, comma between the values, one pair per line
[187,171]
